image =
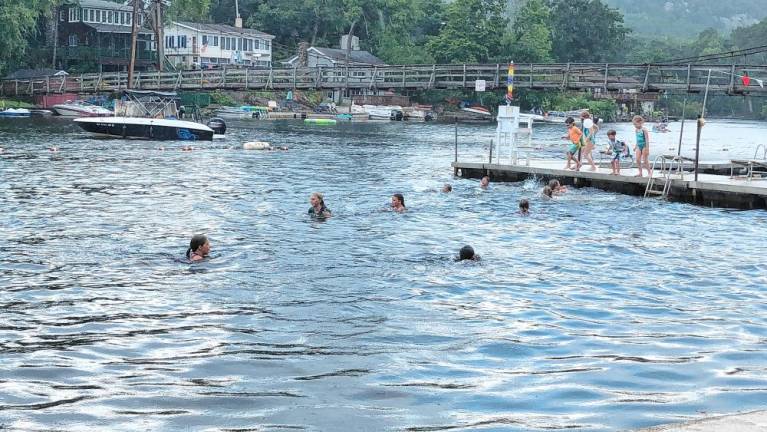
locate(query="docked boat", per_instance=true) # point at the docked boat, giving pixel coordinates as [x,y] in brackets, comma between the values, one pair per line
[234,113]
[561,116]
[149,115]
[479,110]
[15,113]
[384,112]
[418,114]
[80,109]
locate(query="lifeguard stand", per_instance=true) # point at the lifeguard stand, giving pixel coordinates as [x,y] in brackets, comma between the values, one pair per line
[508,133]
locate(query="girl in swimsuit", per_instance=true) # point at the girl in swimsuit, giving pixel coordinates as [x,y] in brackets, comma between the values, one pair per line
[590,130]
[643,145]
[318,209]
[398,203]
[199,248]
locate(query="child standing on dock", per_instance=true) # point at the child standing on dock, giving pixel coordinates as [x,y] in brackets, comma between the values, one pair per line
[576,140]
[618,149]
[590,129]
[643,145]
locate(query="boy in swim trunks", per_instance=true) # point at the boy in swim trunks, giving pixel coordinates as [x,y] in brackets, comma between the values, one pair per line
[618,149]
[576,140]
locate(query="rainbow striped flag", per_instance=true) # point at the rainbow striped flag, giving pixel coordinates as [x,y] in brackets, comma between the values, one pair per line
[510,83]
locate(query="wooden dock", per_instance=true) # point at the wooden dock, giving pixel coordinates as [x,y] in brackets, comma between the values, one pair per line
[713,190]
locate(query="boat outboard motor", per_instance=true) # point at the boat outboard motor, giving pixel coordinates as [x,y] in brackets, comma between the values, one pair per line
[218,125]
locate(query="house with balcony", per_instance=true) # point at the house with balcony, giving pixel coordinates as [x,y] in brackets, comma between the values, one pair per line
[192,45]
[97,33]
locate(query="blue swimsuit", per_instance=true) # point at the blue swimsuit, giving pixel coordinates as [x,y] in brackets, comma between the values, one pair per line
[641,143]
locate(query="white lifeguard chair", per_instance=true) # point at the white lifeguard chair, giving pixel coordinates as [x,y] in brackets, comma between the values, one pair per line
[509,135]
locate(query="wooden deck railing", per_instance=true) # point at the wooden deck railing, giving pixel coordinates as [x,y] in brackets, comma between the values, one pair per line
[597,77]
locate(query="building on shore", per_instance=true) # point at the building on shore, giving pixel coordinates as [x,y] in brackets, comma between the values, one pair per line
[194,45]
[333,57]
[96,34]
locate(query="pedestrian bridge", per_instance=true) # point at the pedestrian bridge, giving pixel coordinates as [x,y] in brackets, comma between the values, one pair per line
[679,78]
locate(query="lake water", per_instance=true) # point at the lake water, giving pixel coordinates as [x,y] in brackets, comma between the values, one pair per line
[598,312]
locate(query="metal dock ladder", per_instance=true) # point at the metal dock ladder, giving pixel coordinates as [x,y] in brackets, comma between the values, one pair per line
[670,166]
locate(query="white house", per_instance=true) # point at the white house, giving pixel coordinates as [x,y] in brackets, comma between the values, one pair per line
[205,45]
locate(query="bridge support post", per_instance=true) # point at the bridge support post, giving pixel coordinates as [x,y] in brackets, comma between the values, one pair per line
[607,69]
[497,80]
[646,79]
[246,78]
[731,89]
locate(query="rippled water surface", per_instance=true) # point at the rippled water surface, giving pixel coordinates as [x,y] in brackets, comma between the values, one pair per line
[598,312]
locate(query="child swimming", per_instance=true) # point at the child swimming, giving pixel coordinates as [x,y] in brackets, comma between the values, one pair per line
[524,207]
[199,248]
[318,209]
[467,254]
[398,203]
[556,187]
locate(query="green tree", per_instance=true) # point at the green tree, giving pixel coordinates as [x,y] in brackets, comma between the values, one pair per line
[189,10]
[472,33]
[403,28]
[19,19]
[586,31]
[530,36]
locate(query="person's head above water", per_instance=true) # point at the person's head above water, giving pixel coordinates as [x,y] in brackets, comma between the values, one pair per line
[554,184]
[548,192]
[524,205]
[398,201]
[199,247]
[484,182]
[466,253]
[447,188]
[317,200]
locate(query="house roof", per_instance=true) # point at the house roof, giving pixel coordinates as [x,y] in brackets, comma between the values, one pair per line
[35,73]
[223,28]
[364,57]
[102,4]
[339,55]
[111,28]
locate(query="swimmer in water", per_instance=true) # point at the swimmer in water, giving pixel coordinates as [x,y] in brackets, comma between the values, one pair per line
[318,209]
[447,188]
[524,207]
[547,192]
[484,182]
[467,254]
[556,187]
[199,248]
[398,203]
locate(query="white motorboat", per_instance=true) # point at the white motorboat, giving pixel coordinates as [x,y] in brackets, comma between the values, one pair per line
[150,115]
[80,109]
[384,112]
[234,113]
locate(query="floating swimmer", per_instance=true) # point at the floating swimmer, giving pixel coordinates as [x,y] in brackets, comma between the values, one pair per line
[261,145]
[447,188]
[467,254]
[199,248]
[318,209]
[398,203]
[524,207]
[485,182]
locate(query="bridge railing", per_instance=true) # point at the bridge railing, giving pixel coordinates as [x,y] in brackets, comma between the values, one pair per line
[572,76]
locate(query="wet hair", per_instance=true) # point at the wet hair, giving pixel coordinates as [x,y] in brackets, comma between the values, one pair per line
[569,121]
[447,188]
[611,132]
[319,197]
[401,198]
[637,119]
[548,192]
[524,204]
[466,253]
[197,241]
[553,184]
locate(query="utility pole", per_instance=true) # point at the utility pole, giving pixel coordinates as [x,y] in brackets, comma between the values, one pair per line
[134,37]
[56,12]
[159,34]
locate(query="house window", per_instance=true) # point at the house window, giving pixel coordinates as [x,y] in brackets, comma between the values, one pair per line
[266,44]
[98,16]
[204,39]
[91,15]
[239,44]
[215,41]
[62,16]
[73,40]
[109,17]
[225,43]
[71,14]
[130,19]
